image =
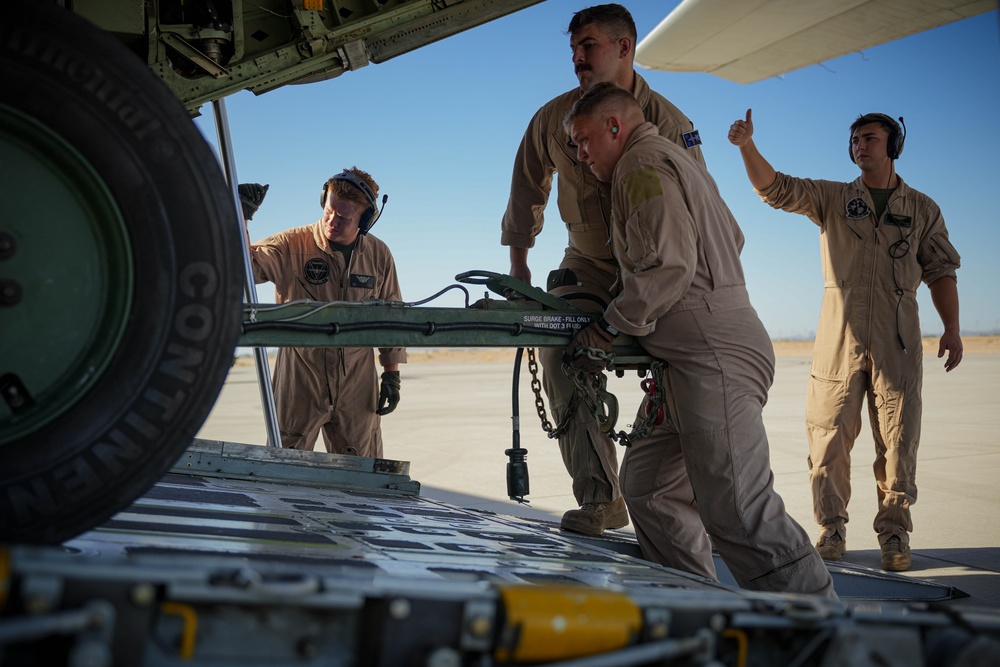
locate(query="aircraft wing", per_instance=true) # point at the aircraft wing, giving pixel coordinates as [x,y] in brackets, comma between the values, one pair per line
[749,40]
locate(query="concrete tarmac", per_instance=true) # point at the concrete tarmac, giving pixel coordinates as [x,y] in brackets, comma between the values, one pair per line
[454,422]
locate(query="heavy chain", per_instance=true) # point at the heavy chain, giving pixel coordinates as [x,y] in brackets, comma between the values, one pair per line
[656,405]
[592,389]
[536,387]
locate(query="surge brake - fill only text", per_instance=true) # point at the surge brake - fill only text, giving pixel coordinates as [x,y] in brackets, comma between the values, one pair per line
[557,322]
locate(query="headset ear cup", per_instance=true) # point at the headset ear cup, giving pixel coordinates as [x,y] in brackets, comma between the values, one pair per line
[895,146]
[322,197]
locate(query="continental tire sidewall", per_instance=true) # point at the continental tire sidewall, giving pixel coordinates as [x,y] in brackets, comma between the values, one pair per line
[182,326]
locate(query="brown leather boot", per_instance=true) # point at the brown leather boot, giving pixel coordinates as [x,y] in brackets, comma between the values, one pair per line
[595,518]
[896,555]
[831,547]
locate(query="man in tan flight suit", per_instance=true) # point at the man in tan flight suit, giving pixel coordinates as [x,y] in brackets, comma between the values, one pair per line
[603,42]
[333,390]
[682,294]
[878,239]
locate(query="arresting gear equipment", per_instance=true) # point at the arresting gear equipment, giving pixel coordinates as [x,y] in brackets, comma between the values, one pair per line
[592,390]
[526,317]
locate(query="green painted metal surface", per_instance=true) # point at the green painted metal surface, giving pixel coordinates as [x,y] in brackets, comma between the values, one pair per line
[67,276]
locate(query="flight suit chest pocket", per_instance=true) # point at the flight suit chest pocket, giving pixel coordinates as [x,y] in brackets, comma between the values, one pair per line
[362,281]
[899,243]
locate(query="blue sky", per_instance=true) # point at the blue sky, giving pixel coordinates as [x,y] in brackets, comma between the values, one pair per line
[438,129]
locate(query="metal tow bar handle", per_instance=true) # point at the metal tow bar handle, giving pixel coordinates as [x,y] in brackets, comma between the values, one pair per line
[512,288]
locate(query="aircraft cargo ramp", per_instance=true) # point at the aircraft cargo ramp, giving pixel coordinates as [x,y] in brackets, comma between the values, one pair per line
[246,555]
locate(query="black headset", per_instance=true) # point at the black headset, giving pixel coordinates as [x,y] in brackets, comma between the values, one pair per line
[894,145]
[368,216]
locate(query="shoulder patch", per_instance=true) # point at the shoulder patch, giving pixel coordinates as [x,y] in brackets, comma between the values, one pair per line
[642,185]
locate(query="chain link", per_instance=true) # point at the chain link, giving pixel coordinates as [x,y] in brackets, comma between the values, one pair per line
[655,407]
[592,389]
[536,387]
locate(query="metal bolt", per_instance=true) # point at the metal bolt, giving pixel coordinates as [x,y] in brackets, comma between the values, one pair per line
[10,388]
[399,609]
[444,657]
[307,648]
[717,622]
[38,604]
[143,595]
[480,626]
[8,246]
[10,292]
[658,631]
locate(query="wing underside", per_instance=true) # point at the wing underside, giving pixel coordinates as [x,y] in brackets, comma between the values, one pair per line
[749,40]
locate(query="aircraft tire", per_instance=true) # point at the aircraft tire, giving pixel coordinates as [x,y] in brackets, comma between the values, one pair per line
[121,276]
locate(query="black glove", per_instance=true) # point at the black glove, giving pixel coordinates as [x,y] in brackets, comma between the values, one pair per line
[388,394]
[593,335]
[251,196]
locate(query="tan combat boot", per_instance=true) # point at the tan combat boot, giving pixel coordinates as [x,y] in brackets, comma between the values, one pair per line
[831,547]
[595,518]
[896,555]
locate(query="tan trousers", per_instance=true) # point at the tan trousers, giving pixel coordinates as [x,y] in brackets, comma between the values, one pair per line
[720,367]
[590,457]
[833,423]
[313,395]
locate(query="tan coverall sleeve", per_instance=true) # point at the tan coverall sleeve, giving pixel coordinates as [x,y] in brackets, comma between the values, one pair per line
[530,186]
[936,255]
[796,195]
[268,258]
[661,244]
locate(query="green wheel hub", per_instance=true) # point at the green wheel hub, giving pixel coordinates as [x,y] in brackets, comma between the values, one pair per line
[66,276]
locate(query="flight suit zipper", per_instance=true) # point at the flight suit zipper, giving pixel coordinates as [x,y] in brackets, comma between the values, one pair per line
[345,280]
[871,282]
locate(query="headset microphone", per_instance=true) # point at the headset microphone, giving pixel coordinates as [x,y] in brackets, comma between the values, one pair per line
[902,139]
[375,218]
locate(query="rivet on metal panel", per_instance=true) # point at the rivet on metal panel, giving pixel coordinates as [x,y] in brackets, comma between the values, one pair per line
[399,609]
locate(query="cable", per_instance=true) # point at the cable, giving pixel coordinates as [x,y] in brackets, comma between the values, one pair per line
[322,305]
[427,328]
[897,250]
[517,467]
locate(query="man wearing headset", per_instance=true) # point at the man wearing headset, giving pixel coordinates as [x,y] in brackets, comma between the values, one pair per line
[879,238]
[333,390]
[602,39]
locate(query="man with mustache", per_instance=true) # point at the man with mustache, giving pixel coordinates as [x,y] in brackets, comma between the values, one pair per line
[602,39]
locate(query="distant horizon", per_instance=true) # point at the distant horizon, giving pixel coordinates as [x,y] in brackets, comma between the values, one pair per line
[932,338]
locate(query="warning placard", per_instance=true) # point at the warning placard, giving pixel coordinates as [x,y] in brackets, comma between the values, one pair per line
[557,322]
